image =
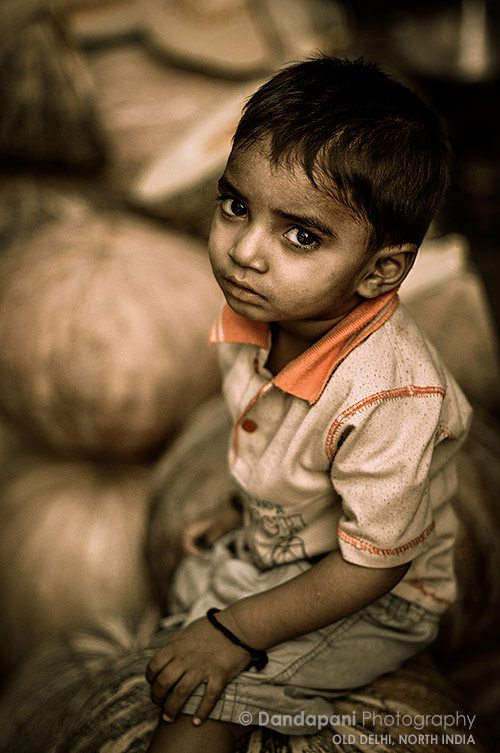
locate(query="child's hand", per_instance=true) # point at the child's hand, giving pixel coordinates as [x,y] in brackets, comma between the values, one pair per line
[200,534]
[204,532]
[199,654]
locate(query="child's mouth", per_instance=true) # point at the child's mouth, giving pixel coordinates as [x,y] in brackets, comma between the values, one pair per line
[241,290]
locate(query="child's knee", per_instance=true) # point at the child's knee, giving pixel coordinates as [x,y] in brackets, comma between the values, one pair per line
[182,736]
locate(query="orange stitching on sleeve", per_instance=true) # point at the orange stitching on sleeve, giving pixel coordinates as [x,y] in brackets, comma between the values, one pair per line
[378,397]
[365,546]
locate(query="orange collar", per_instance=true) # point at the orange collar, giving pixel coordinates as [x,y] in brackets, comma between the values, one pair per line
[307,375]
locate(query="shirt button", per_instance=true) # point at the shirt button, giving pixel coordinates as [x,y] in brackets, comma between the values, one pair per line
[248,425]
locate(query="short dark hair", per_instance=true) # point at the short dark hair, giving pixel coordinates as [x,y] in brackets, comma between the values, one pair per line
[357,132]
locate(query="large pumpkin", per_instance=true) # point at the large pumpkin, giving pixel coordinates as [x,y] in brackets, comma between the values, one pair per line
[103,325]
[71,546]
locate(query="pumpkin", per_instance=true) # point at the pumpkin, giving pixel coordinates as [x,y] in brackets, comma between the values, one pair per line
[71,546]
[104,323]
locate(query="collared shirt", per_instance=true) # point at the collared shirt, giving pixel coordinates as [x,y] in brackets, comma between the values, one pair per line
[351,446]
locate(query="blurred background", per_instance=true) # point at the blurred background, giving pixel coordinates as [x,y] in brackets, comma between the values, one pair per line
[115,123]
[129,106]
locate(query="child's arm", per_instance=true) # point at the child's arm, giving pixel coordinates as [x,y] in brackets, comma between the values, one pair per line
[327,592]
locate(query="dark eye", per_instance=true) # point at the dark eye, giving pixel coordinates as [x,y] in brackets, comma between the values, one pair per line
[301,237]
[232,207]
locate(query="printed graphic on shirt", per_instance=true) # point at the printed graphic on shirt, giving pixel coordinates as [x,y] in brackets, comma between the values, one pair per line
[272,535]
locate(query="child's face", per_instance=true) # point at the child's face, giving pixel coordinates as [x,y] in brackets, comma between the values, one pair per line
[282,250]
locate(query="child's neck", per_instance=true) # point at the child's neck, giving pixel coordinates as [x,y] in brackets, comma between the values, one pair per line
[286,345]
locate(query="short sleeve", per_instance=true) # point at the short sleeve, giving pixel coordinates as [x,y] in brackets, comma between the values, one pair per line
[380,470]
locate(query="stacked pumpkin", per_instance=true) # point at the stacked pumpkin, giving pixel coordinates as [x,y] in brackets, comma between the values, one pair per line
[103,324]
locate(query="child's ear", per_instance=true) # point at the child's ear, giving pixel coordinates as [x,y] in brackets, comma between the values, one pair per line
[387,269]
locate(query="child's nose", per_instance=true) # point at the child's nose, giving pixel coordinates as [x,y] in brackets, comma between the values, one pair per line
[248,249]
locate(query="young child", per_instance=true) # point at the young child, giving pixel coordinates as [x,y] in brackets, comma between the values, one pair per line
[345,425]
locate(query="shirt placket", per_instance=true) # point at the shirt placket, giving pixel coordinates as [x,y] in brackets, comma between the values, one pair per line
[245,422]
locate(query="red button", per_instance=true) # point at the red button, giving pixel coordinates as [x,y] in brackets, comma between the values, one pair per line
[248,425]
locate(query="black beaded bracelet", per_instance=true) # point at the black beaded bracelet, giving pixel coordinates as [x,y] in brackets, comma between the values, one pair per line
[259,657]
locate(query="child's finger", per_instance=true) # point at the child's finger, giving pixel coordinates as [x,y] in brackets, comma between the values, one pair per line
[192,535]
[180,693]
[156,664]
[165,680]
[214,533]
[213,691]
[190,547]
